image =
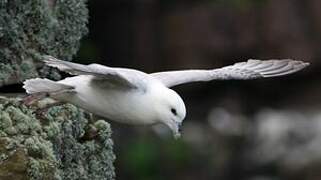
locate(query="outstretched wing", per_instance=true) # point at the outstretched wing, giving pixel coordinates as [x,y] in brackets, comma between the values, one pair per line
[251,69]
[104,74]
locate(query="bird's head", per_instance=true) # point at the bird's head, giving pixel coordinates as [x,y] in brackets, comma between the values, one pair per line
[171,110]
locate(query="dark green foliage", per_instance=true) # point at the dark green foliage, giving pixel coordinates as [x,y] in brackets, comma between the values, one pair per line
[53,146]
[144,156]
[30,28]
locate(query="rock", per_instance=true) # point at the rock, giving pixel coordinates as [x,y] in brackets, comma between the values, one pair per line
[52,146]
[31,28]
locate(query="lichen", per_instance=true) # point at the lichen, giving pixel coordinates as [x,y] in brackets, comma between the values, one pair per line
[53,145]
[31,28]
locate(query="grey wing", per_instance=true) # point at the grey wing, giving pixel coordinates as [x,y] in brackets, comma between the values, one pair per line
[251,69]
[100,72]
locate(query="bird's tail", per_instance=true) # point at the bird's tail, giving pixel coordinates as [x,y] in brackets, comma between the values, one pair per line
[39,85]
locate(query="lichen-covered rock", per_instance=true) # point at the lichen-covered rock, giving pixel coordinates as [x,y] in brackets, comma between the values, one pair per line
[30,28]
[62,144]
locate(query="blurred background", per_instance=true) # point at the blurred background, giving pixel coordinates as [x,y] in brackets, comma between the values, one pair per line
[266,129]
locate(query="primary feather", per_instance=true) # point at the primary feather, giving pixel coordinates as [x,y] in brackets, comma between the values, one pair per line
[251,69]
[104,74]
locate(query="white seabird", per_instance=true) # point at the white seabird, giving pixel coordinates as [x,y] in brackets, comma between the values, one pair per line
[134,97]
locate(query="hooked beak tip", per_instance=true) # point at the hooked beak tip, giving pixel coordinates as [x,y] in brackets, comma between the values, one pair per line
[176,129]
[177,135]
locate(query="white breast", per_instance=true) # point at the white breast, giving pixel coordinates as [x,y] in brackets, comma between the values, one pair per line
[122,105]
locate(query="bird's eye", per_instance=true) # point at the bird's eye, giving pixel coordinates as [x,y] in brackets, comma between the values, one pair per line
[174,111]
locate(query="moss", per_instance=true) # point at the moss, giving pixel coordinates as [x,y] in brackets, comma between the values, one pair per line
[14,166]
[30,28]
[6,73]
[52,146]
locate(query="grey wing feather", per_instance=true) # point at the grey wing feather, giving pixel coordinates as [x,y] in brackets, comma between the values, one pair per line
[251,69]
[100,72]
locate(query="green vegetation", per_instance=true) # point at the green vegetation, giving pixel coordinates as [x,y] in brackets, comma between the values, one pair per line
[54,145]
[31,28]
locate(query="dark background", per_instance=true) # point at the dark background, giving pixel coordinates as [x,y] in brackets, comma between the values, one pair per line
[266,129]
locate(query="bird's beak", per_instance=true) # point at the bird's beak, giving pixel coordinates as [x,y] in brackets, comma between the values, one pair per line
[176,129]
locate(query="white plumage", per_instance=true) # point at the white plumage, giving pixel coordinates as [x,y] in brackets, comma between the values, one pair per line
[252,69]
[134,97]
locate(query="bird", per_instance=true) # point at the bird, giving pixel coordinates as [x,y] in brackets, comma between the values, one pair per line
[134,97]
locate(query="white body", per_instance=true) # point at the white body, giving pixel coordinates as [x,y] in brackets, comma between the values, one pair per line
[134,97]
[122,105]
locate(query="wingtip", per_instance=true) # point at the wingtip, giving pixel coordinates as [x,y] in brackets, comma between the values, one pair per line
[306,63]
[300,64]
[292,66]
